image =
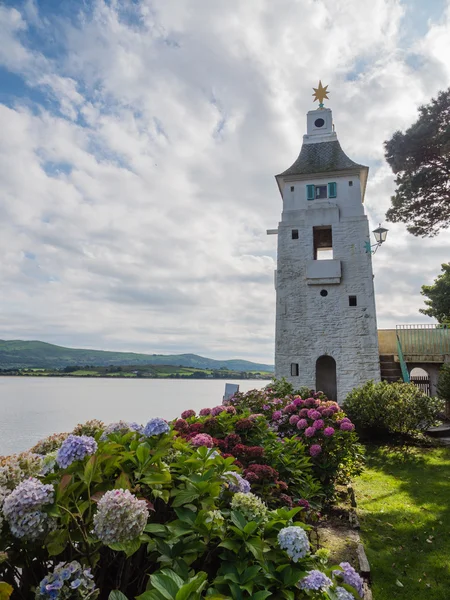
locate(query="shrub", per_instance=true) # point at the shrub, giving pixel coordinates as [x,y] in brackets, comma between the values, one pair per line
[381,409]
[443,390]
[145,512]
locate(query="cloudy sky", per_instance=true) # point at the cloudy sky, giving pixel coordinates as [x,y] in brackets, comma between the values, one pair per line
[138,144]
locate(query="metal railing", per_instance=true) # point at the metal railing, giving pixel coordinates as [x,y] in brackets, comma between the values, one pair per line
[424,340]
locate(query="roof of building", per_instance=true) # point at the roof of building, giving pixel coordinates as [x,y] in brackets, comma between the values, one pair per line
[321,157]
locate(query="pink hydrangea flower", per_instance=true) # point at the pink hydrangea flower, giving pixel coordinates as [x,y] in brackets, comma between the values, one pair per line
[217,410]
[202,439]
[298,402]
[315,450]
[205,412]
[314,414]
[302,423]
[319,424]
[290,408]
[327,412]
[346,426]
[230,410]
[294,419]
[328,431]
[277,415]
[303,412]
[310,431]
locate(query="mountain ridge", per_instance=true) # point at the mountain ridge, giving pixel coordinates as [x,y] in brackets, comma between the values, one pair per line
[31,354]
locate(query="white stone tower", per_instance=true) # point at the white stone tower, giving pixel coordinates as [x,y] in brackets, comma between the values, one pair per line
[326,329]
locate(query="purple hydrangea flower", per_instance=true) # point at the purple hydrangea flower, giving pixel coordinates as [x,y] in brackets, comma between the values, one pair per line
[294,419]
[186,414]
[75,447]
[314,414]
[202,439]
[156,426]
[290,408]
[121,427]
[120,517]
[350,577]
[22,509]
[204,412]
[303,412]
[328,431]
[342,594]
[315,450]
[310,431]
[346,426]
[319,424]
[315,580]
[236,483]
[298,402]
[266,407]
[294,541]
[276,416]
[217,410]
[302,424]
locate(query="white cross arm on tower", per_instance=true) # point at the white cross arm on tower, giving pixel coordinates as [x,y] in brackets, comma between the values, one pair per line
[272,232]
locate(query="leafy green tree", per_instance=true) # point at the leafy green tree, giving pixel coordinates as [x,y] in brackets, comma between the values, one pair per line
[443,388]
[438,294]
[420,159]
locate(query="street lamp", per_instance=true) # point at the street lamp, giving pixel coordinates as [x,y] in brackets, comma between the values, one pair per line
[380,234]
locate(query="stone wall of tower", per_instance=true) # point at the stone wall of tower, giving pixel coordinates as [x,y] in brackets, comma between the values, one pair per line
[309,325]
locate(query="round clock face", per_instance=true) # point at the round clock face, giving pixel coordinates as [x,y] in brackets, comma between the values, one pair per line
[319,122]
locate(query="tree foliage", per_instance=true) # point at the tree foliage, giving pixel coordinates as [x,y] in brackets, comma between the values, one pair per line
[420,159]
[438,294]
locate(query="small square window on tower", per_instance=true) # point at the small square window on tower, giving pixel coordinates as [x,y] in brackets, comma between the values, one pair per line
[292,188]
[323,243]
[294,370]
[295,234]
[352,301]
[321,192]
[350,183]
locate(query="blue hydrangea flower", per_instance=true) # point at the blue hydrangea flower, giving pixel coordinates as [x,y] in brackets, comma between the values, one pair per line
[236,483]
[315,580]
[156,426]
[75,447]
[65,578]
[343,594]
[22,509]
[350,577]
[294,541]
[121,427]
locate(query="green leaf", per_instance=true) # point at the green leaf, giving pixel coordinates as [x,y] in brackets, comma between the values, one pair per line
[116,595]
[185,497]
[143,452]
[155,528]
[56,541]
[263,595]
[122,482]
[128,547]
[89,469]
[157,478]
[194,585]
[238,519]
[250,527]
[165,584]
[150,595]
[186,515]
[231,545]
[256,547]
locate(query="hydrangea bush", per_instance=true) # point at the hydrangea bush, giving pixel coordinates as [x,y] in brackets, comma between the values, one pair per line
[199,508]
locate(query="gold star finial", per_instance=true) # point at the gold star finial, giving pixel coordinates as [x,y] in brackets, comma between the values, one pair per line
[320,93]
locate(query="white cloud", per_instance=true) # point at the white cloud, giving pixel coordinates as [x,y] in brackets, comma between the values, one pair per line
[134,206]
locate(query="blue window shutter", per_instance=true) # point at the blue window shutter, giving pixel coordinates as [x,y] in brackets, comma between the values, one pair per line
[332,190]
[310,192]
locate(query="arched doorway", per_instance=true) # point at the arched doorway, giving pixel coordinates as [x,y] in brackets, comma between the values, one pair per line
[326,376]
[421,378]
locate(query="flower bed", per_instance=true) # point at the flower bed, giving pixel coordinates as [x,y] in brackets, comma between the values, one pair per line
[214,506]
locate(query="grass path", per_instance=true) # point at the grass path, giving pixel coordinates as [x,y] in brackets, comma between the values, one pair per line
[404,507]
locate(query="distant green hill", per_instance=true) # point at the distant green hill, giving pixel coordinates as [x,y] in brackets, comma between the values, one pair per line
[15,354]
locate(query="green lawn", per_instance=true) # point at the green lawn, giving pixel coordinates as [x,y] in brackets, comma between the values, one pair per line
[404,507]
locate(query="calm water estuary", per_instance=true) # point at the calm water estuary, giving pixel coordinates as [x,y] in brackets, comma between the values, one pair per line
[32,407]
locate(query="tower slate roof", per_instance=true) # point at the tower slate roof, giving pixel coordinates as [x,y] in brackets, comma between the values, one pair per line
[321,157]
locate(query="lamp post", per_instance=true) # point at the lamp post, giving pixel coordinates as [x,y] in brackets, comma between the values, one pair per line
[380,234]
